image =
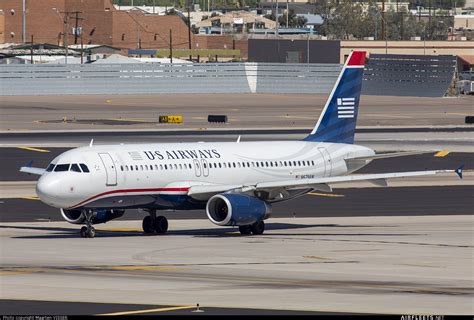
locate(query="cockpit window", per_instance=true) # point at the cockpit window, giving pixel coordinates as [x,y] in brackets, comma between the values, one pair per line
[75,167]
[50,167]
[61,167]
[84,167]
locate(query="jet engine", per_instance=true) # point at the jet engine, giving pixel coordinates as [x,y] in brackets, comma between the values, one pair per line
[236,210]
[98,216]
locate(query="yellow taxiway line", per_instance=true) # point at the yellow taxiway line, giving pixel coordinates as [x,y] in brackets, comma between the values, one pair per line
[326,194]
[30,198]
[33,149]
[146,311]
[441,154]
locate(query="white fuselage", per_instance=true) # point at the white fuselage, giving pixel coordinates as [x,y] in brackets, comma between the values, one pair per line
[143,175]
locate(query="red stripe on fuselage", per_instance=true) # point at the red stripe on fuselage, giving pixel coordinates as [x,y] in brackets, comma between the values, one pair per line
[131,191]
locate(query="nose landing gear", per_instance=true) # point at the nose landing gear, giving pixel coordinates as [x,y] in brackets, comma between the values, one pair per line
[154,224]
[88,231]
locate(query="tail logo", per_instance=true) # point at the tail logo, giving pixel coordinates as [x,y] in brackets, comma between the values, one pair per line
[345,107]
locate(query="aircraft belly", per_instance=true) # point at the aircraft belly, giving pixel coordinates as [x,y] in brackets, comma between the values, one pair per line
[157,201]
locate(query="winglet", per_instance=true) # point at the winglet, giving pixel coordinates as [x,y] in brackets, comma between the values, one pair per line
[459,171]
[29,164]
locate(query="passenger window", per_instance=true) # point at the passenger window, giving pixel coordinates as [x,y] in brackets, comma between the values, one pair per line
[131,168]
[62,168]
[220,165]
[84,167]
[175,166]
[75,168]
[312,162]
[166,167]
[50,167]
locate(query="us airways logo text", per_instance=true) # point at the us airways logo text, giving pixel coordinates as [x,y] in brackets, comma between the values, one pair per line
[182,154]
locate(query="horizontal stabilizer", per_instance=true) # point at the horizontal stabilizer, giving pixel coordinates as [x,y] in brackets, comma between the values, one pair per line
[390,155]
[33,170]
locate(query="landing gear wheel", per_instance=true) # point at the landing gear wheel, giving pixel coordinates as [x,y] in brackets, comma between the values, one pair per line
[91,232]
[160,225]
[245,230]
[258,227]
[147,225]
[84,232]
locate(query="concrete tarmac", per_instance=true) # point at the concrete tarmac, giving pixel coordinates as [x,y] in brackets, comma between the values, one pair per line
[243,110]
[350,202]
[401,265]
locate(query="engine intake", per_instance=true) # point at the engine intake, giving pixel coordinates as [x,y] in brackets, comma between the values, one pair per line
[236,209]
[99,216]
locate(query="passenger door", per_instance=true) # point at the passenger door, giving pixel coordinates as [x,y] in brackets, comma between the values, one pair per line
[110,170]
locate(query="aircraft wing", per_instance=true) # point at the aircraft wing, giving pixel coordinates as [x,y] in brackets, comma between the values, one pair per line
[283,189]
[33,170]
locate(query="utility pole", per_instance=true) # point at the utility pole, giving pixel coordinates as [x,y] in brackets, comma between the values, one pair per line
[401,25]
[276,18]
[31,52]
[189,34]
[66,28]
[24,21]
[76,25]
[383,20]
[171,46]
[287,13]
[82,50]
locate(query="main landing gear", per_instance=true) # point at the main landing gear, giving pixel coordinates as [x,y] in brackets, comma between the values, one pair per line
[257,228]
[154,224]
[88,231]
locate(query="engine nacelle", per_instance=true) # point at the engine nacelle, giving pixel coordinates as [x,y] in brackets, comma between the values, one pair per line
[236,209]
[99,216]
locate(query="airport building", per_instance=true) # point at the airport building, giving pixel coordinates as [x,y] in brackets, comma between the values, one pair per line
[92,21]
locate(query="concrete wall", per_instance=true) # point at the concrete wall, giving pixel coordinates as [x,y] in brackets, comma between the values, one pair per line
[453,48]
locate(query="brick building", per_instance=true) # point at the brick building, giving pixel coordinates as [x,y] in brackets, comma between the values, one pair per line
[101,23]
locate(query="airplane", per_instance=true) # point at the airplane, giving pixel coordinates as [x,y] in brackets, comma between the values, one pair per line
[235,182]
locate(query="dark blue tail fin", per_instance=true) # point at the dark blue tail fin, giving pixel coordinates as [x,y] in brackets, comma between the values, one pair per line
[338,120]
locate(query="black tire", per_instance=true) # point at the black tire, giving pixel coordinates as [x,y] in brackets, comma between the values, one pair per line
[91,232]
[84,232]
[258,228]
[160,225]
[147,225]
[245,230]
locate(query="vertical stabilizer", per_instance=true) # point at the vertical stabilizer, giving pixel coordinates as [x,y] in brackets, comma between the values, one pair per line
[338,120]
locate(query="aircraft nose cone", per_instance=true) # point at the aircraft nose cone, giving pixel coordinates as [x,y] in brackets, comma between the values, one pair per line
[46,191]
